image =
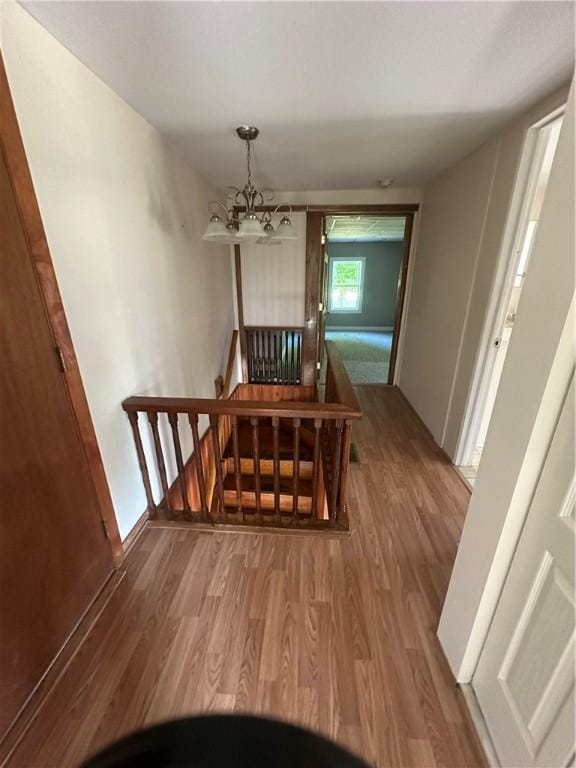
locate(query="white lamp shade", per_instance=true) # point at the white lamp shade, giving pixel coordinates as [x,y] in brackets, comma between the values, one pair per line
[286,231]
[250,228]
[268,241]
[216,232]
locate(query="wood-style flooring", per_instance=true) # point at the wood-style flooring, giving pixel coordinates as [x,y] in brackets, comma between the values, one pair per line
[337,634]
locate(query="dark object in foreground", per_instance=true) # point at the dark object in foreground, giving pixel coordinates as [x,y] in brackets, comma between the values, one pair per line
[224,741]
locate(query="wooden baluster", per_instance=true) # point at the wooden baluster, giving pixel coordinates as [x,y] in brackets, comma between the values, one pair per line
[298,358]
[256,455]
[272,355]
[173,419]
[276,454]
[214,419]
[286,358]
[248,353]
[279,356]
[296,468]
[193,419]
[250,345]
[254,355]
[153,419]
[237,466]
[336,464]
[288,354]
[346,441]
[133,418]
[276,358]
[316,468]
[267,340]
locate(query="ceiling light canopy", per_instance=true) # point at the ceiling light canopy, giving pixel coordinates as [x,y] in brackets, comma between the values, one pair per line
[248,224]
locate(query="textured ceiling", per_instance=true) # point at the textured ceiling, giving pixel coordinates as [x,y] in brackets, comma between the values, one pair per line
[365,229]
[345,93]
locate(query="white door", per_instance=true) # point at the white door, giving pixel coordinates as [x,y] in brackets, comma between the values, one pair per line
[524,681]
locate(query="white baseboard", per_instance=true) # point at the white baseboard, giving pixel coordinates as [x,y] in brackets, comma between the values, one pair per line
[359,327]
[480,725]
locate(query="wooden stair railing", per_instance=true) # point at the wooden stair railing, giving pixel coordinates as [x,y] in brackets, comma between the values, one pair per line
[274,354]
[278,463]
[337,434]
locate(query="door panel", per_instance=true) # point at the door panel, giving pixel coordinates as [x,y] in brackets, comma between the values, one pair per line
[525,677]
[54,555]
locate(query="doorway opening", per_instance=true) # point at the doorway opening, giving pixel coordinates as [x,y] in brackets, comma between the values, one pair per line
[364,257]
[536,164]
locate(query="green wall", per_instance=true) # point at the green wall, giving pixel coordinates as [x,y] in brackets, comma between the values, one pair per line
[383,261]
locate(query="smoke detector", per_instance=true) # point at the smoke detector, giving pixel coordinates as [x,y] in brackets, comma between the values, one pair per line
[385,183]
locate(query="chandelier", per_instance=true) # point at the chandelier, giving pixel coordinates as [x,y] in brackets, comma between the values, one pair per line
[231,228]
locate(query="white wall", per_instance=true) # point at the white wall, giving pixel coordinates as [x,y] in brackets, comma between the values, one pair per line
[376,196]
[461,227]
[273,279]
[536,370]
[148,303]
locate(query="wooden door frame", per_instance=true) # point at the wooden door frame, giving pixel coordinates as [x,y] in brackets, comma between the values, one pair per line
[314,216]
[12,147]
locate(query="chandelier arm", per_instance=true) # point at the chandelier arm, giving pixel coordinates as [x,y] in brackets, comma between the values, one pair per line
[217,202]
[231,191]
[282,205]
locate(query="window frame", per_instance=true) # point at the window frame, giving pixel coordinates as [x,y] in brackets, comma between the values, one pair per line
[338,310]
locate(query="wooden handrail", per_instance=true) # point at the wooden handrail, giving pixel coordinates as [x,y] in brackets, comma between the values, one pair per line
[293,409]
[274,327]
[343,389]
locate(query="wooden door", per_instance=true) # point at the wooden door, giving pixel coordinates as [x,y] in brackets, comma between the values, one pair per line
[54,553]
[524,682]
[323,305]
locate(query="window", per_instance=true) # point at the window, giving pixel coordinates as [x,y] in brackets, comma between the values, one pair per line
[346,285]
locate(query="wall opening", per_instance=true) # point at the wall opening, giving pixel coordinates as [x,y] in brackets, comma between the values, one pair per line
[541,155]
[362,279]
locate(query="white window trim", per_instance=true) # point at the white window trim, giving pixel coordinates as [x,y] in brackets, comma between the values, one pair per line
[338,311]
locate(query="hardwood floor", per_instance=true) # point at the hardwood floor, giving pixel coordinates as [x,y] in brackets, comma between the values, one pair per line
[336,634]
